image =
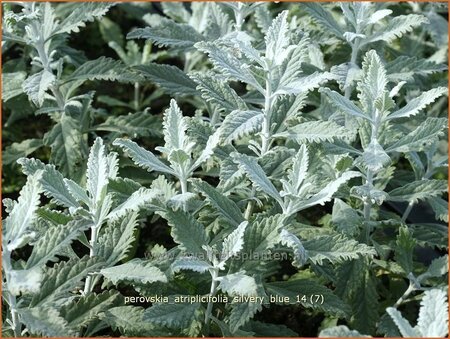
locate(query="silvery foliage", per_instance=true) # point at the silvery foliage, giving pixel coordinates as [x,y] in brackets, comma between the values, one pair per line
[280,132]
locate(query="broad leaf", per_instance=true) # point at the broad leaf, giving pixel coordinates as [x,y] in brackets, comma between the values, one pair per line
[336,249]
[234,242]
[134,271]
[142,157]
[186,231]
[240,123]
[433,314]
[170,78]
[37,84]
[418,190]
[177,315]
[224,205]
[168,33]
[54,242]
[256,174]
[238,283]
[417,104]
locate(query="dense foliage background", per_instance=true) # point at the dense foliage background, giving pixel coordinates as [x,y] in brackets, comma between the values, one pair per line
[312,130]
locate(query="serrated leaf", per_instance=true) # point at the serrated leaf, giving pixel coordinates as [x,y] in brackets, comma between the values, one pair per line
[97,171]
[52,181]
[241,313]
[262,329]
[176,11]
[77,18]
[19,150]
[228,64]
[262,235]
[27,281]
[433,314]
[340,331]
[300,254]
[404,68]
[37,84]
[317,131]
[238,284]
[344,104]
[215,90]
[357,286]
[142,157]
[234,242]
[375,157]
[291,68]
[304,84]
[405,245]
[62,278]
[240,123]
[372,86]
[324,18]
[277,37]
[23,214]
[12,84]
[256,174]
[332,304]
[101,69]
[140,124]
[403,325]
[418,190]
[168,33]
[134,271]
[397,27]
[190,263]
[45,322]
[336,249]
[129,320]
[174,128]
[186,231]
[136,200]
[426,134]
[263,18]
[116,238]
[77,192]
[211,145]
[65,140]
[324,194]
[440,208]
[170,78]
[54,242]
[225,206]
[110,31]
[178,315]
[437,268]
[88,308]
[417,104]
[345,219]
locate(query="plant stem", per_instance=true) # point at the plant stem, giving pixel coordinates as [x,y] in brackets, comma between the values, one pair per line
[427,175]
[407,211]
[93,242]
[136,96]
[183,183]
[239,17]
[265,137]
[354,56]
[40,48]
[251,203]
[17,326]
[214,274]
[368,203]
[405,295]
[11,299]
